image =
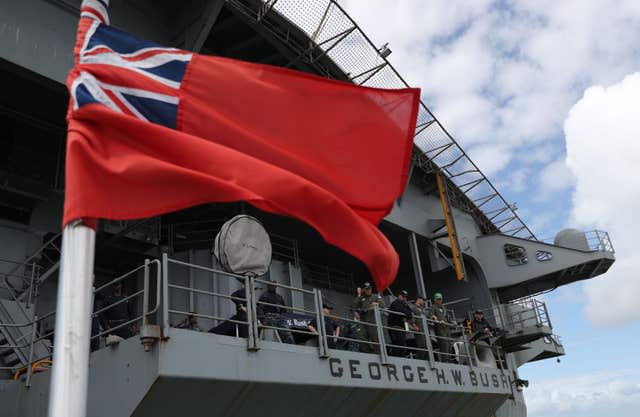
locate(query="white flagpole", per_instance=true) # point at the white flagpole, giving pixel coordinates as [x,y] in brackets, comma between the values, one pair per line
[70,369]
[70,373]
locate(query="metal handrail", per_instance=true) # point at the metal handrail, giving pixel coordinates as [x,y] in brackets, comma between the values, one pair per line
[371,68]
[254,324]
[35,338]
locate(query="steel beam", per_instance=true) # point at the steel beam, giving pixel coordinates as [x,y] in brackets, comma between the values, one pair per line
[200,33]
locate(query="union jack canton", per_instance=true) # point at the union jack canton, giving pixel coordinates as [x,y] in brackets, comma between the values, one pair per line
[125,73]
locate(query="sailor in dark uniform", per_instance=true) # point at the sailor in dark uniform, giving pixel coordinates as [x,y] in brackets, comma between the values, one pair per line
[400,314]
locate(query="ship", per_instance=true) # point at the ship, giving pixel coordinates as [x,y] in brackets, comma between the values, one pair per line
[454,232]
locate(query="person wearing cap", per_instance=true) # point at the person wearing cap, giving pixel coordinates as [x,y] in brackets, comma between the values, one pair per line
[330,327]
[442,329]
[399,315]
[480,326]
[418,310]
[365,303]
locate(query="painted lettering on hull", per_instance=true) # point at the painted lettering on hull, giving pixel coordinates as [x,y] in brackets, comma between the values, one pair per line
[362,371]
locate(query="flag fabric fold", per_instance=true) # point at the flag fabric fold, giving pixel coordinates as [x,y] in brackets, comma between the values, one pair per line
[155,129]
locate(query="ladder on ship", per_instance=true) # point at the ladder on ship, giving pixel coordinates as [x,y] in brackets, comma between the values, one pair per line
[17,306]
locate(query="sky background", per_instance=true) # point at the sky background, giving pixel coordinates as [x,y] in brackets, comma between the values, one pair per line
[545,97]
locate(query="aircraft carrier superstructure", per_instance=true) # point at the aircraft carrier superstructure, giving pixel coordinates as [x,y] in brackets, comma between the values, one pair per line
[454,232]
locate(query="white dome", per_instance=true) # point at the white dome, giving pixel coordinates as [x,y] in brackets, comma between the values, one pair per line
[571,238]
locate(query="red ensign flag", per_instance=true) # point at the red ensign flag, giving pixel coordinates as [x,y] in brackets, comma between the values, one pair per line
[153,130]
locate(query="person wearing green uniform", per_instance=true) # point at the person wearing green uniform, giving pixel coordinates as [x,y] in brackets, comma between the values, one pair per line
[442,328]
[365,303]
[418,308]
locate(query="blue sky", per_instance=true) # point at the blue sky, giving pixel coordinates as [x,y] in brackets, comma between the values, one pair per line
[544,97]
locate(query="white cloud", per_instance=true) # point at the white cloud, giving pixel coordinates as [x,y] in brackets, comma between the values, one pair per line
[502,77]
[603,150]
[505,72]
[555,177]
[610,393]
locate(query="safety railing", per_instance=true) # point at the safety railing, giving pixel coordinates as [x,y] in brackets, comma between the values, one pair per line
[22,278]
[27,349]
[435,341]
[517,314]
[599,241]
[376,345]
[266,318]
[553,339]
[525,312]
[269,315]
[239,323]
[129,325]
[331,34]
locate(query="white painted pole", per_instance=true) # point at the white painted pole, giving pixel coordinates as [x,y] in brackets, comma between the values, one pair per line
[70,373]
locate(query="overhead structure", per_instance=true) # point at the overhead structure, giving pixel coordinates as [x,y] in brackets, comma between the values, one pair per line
[449,222]
[334,34]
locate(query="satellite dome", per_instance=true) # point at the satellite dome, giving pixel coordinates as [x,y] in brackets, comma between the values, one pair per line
[572,238]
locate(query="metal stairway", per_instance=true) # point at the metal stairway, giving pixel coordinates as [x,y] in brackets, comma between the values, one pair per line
[34,270]
[10,337]
[17,310]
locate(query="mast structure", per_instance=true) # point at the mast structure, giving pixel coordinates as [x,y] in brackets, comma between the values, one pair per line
[70,372]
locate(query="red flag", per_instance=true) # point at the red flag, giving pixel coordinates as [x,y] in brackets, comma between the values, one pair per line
[153,130]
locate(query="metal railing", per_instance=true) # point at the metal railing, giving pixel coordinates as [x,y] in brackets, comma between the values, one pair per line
[34,336]
[257,320]
[599,241]
[531,309]
[517,314]
[263,316]
[553,339]
[331,33]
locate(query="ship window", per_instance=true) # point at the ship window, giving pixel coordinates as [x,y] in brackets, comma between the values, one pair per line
[543,256]
[516,255]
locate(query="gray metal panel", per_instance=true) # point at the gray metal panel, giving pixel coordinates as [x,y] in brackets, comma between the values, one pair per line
[38,35]
[9,398]
[499,274]
[119,378]
[192,397]
[227,358]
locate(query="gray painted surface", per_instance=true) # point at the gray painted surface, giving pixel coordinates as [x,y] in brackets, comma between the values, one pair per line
[191,354]
[189,397]
[119,378]
[492,258]
[539,349]
[45,45]
[199,373]
[196,365]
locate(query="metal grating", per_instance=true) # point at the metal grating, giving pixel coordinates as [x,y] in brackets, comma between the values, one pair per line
[334,34]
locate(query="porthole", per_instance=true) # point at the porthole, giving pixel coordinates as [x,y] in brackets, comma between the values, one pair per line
[516,255]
